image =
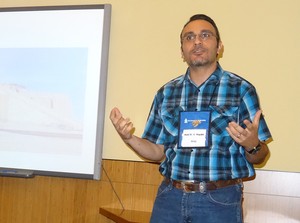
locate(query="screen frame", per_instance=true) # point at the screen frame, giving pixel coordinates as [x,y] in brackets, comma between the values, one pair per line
[98,105]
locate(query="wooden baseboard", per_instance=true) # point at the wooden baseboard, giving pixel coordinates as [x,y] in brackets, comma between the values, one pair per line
[125,216]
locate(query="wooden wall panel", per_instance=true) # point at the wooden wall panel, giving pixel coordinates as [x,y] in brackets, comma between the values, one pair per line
[67,200]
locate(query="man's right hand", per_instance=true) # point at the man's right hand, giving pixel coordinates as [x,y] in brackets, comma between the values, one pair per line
[143,147]
[123,126]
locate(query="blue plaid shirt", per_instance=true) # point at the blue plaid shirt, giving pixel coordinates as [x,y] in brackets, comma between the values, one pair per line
[229,98]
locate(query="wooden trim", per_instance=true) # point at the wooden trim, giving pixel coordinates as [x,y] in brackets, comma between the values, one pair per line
[125,216]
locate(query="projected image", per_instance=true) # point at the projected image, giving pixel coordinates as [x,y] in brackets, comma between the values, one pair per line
[42,99]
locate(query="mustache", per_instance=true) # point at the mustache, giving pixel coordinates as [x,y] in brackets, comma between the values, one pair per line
[198,48]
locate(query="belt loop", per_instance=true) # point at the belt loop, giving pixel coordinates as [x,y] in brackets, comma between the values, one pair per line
[184,187]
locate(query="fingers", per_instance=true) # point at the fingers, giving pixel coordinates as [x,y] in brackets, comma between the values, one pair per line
[115,115]
[245,136]
[236,131]
[123,126]
[257,117]
[118,121]
[255,123]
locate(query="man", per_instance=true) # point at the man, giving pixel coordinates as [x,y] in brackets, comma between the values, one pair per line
[207,128]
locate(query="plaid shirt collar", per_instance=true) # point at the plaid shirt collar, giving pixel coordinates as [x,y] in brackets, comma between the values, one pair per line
[215,77]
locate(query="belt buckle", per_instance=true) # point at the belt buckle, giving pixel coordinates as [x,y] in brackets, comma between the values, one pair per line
[202,187]
[186,189]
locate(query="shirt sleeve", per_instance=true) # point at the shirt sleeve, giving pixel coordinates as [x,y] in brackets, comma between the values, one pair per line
[250,105]
[154,128]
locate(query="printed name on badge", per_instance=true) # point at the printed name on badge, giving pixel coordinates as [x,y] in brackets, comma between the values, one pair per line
[194,129]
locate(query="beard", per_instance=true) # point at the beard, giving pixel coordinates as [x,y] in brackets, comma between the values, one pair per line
[200,62]
[205,59]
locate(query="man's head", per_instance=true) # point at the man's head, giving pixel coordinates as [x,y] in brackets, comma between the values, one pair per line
[206,18]
[200,41]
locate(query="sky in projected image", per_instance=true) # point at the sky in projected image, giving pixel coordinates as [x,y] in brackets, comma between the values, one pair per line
[50,70]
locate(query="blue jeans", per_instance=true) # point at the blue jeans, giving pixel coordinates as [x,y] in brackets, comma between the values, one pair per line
[223,205]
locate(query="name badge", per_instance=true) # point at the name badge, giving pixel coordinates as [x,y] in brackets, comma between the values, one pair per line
[194,129]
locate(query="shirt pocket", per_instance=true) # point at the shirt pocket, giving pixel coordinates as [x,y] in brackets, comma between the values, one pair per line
[221,116]
[170,118]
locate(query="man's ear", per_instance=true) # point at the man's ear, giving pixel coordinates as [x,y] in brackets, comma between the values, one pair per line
[182,56]
[220,47]
[220,50]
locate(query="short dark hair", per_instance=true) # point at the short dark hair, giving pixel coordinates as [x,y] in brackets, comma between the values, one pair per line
[206,18]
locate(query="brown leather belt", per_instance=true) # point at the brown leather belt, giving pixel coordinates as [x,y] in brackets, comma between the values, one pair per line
[192,187]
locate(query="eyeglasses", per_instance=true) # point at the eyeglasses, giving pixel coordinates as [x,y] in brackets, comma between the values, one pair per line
[191,37]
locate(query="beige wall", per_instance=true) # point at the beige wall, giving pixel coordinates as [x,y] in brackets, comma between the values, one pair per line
[261,41]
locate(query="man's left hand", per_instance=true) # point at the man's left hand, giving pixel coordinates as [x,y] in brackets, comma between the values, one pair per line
[246,137]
